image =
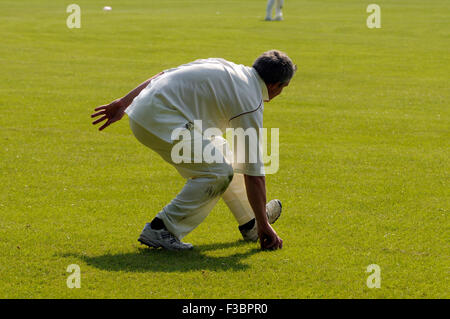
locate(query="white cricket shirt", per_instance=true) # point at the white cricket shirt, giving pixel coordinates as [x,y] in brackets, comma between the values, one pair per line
[220,93]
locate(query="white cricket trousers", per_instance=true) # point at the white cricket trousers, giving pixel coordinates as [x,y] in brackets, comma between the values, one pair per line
[278,8]
[205,185]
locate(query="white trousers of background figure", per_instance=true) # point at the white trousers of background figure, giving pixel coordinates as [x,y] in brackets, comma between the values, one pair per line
[278,7]
[205,185]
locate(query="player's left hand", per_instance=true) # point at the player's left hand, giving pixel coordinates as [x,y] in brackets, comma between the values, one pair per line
[111,112]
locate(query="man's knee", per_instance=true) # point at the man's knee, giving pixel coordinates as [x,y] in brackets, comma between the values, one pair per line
[224,176]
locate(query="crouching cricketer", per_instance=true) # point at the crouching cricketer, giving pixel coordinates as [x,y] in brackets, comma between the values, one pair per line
[222,95]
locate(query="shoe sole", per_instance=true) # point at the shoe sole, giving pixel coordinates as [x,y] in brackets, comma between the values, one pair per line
[281,209]
[152,244]
[149,243]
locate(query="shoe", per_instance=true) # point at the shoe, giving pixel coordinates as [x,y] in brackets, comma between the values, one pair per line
[278,18]
[273,211]
[268,19]
[161,238]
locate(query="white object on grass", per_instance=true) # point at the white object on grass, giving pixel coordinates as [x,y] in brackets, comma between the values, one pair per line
[107,8]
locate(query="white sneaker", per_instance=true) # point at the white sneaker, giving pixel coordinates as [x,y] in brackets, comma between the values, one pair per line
[278,18]
[161,238]
[273,211]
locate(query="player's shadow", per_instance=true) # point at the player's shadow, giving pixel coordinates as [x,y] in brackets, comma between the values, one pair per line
[159,260]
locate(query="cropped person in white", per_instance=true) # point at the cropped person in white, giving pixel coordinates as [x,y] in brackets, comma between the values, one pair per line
[278,10]
[221,95]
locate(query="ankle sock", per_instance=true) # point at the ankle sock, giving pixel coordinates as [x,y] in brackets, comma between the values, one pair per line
[248,225]
[157,224]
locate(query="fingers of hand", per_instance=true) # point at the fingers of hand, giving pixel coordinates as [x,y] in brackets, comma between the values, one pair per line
[105,125]
[98,113]
[267,242]
[100,120]
[271,243]
[103,107]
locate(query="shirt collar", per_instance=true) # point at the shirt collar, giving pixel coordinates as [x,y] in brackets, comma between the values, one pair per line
[265,93]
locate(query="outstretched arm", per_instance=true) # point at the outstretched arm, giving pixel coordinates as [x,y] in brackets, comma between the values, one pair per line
[256,193]
[115,110]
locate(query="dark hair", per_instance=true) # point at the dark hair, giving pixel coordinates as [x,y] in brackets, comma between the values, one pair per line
[274,66]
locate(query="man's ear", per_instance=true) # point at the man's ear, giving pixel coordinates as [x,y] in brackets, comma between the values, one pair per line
[272,86]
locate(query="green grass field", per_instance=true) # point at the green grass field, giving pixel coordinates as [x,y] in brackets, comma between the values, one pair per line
[364,151]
